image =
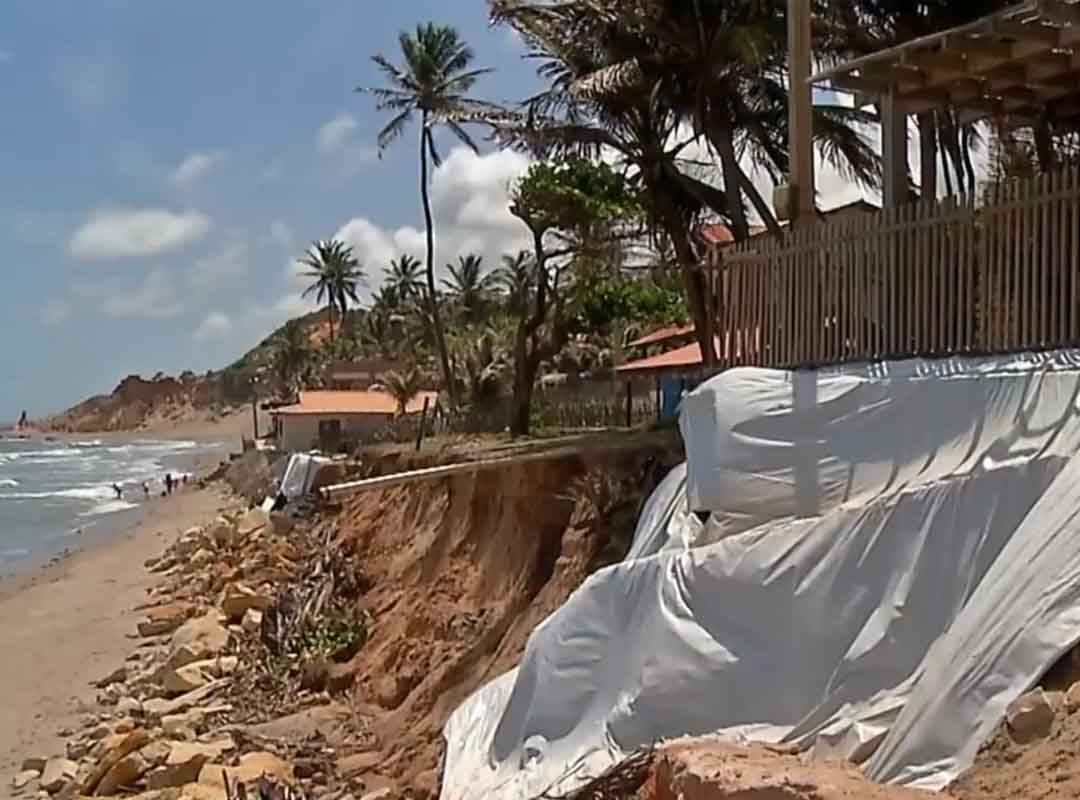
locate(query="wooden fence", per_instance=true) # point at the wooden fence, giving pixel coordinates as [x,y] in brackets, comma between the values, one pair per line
[926,279]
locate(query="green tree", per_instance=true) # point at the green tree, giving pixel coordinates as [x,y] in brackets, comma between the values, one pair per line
[291,355]
[514,278]
[469,287]
[570,207]
[405,277]
[403,387]
[336,277]
[433,81]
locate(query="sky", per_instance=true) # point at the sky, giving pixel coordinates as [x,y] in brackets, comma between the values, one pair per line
[162,165]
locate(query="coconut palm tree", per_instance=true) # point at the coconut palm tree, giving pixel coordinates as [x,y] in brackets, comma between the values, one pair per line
[515,278]
[405,277]
[403,387]
[432,82]
[336,276]
[291,355]
[469,287]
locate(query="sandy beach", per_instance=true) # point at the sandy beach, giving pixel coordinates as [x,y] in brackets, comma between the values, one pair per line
[70,623]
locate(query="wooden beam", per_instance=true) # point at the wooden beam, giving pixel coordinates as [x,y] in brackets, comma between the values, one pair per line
[904,77]
[858,83]
[894,151]
[985,46]
[942,61]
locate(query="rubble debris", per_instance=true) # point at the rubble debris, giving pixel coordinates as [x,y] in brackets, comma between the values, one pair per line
[58,773]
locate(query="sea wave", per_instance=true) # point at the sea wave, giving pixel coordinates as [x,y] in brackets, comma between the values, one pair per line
[110,507]
[73,493]
[8,482]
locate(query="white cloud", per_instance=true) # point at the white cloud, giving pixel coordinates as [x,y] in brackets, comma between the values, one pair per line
[470,201]
[55,312]
[336,133]
[336,141]
[216,325]
[196,167]
[140,232]
[154,297]
[220,266]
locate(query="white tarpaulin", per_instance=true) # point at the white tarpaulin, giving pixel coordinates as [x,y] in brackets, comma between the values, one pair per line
[300,474]
[892,555]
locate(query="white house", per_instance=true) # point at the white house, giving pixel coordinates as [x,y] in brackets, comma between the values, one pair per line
[324,420]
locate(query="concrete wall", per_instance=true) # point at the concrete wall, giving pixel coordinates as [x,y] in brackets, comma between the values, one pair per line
[300,432]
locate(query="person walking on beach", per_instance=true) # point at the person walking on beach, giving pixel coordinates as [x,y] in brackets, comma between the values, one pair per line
[119,492]
[146,490]
[168,483]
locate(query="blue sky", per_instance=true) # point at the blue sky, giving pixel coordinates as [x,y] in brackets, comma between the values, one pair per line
[162,164]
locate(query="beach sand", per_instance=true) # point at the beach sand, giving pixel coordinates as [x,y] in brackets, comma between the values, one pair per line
[71,623]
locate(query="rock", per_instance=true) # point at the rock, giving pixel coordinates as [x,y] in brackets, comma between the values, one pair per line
[33,764]
[156,753]
[224,665]
[118,675]
[314,675]
[185,679]
[77,749]
[252,766]
[128,705]
[357,764]
[379,794]
[238,599]
[185,762]
[158,707]
[164,619]
[57,774]
[125,725]
[252,621]
[340,678]
[199,559]
[1072,698]
[253,521]
[125,772]
[114,750]
[426,785]
[201,637]
[24,778]
[100,731]
[1030,716]
[222,532]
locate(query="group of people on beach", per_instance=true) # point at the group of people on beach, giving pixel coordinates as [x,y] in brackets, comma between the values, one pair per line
[170,483]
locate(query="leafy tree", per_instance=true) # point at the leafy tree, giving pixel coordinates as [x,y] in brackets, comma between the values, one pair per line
[291,355]
[576,203]
[405,277]
[433,81]
[515,279]
[336,276]
[469,287]
[403,387]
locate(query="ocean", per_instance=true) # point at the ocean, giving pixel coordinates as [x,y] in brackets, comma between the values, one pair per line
[55,492]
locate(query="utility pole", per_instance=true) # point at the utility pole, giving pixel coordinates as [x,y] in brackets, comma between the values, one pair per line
[800,115]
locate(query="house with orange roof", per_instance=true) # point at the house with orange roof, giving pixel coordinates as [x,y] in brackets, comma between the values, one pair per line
[325,420]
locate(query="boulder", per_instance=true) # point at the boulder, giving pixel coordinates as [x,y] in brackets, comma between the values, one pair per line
[114,750]
[58,773]
[238,599]
[165,619]
[24,778]
[222,532]
[185,679]
[1072,698]
[34,764]
[158,707]
[253,521]
[76,749]
[252,621]
[358,763]
[197,639]
[1030,716]
[185,762]
[252,766]
[156,753]
[199,559]
[118,675]
[128,705]
[124,772]
[340,678]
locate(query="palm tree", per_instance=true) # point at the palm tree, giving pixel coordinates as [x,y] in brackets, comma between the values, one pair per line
[403,387]
[336,276]
[515,278]
[291,354]
[404,278]
[433,81]
[469,286]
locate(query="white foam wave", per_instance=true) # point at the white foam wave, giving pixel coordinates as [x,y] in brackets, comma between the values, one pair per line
[74,493]
[110,507]
[91,443]
[8,482]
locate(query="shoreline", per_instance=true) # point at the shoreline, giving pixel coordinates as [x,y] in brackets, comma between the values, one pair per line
[69,622]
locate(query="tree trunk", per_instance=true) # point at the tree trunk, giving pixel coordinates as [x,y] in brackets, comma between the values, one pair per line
[701,310]
[433,300]
[330,320]
[760,205]
[928,146]
[729,164]
[525,367]
[1044,146]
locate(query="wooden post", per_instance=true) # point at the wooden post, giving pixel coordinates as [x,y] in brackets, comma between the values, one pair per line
[423,417]
[659,400]
[800,113]
[255,414]
[629,403]
[893,151]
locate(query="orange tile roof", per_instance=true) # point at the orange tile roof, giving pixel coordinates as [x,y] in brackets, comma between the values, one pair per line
[347,402]
[663,335]
[688,356]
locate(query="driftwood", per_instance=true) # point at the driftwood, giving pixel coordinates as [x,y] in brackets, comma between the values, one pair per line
[620,782]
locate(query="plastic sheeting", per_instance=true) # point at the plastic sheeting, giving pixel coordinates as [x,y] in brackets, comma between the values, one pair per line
[892,555]
[300,474]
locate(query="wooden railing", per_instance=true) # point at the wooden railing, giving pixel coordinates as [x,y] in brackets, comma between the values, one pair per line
[926,279]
